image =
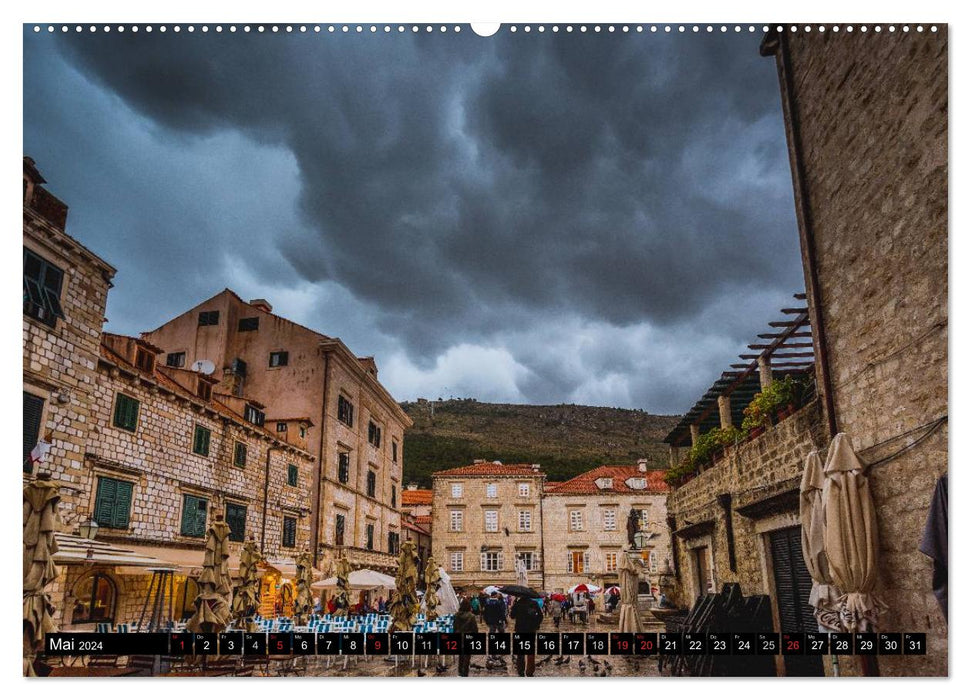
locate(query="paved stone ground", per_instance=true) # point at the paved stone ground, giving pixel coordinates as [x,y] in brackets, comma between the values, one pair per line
[576,666]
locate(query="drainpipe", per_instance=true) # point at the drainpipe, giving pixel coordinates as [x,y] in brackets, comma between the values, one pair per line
[542,538]
[318,487]
[266,497]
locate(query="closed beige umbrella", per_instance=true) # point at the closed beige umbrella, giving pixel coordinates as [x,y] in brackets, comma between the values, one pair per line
[850,536]
[432,582]
[630,620]
[213,612]
[342,569]
[403,605]
[40,523]
[824,596]
[304,603]
[246,596]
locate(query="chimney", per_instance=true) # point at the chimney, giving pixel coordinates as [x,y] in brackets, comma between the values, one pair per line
[535,467]
[262,305]
[478,461]
[642,465]
[412,486]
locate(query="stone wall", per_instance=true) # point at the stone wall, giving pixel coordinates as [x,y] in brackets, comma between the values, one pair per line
[868,122]
[756,471]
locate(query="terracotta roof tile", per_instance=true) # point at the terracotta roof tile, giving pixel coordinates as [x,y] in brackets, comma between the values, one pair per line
[491,469]
[417,497]
[585,483]
[423,519]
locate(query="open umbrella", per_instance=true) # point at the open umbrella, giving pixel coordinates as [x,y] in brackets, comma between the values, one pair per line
[850,536]
[520,591]
[403,605]
[40,523]
[612,590]
[304,603]
[584,588]
[823,596]
[559,597]
[213,612]
[489,590]
[246,596]
[629,620]
[360,580]
[432,581]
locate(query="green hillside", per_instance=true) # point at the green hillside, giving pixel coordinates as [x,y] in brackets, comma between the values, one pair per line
[564,439]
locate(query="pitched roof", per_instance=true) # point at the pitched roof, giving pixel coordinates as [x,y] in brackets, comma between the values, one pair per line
[585,483]
[415,528]
[423,519]
[416,497]
[492,469]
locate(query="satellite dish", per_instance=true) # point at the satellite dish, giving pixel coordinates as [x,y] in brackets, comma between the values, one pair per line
[204,366]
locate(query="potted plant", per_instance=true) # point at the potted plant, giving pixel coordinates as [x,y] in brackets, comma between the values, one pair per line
[784,393]
[758,414]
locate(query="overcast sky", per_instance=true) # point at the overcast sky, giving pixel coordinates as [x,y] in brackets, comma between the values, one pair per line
[589,218]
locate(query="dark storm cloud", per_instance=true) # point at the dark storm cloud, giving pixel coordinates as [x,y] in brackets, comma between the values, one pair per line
[491,191]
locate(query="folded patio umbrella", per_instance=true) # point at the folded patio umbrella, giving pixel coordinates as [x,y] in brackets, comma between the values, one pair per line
[304,603]
[40,523]
[824,597]
[213,612]
[246,596]
[403,605]
[630,620]
[432,581]
[850,536]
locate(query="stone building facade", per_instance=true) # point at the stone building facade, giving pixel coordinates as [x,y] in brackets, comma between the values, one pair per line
[65,294]
[486,516]
[866,124]
[585,526]
[313,384]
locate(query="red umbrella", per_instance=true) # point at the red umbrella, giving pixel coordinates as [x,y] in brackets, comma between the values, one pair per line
[558,597]
[613,590]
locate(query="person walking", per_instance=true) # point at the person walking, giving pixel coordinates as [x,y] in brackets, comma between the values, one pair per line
[556,612]
[528,617]
[475,606]
[494,614]
[463,623]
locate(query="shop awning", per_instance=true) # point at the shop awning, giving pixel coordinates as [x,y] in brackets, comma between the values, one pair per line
[79,551]
[187,561]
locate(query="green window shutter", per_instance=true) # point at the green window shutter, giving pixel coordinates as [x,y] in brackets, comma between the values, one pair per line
[236,519]
[123,492]
[33,410]
[188,518]
[194,511]
[202,510]
[239,455]
[200,442]
[292,474]
[104,502]
[126,412]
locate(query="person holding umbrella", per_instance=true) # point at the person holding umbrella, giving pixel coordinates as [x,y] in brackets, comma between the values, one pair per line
[465,622]
[528,616]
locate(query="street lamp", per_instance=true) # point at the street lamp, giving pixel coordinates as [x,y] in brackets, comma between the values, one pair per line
[88,529]
[640,540]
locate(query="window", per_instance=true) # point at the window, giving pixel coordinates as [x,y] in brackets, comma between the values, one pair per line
[289,531]
[394,496]
[610,519]
[456,561]
[175,359]
[252,323]
[369,544]
[194,512]
[339,521]
[644,520]
[456,490]
[94,600]
[204,389]
[281,427]
[637,483]
[33,415]
[112,504]
[345,411]
[371,483]
[208,318]
[126,412]
[373,434]
[393,542]
[200,440]
[303,431]
[279,359]
[579,561]
[455,518]
[254,415]
[492,490]
[529,559]
[343,467]
[652,561]
[239,454]
[236,519]
[293,475]
[492,521]
[604,482]
[525,521]
[394,451]
[524,490]
[42,289]
[610,562]
[144,360]
[491,561]
[576,520]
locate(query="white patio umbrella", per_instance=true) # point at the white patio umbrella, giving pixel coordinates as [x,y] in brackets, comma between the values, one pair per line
[824,597]
[360,580]
[584,588]
[850,536]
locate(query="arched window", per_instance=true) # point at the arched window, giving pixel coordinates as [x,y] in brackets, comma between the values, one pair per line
[95,598]
[185,596]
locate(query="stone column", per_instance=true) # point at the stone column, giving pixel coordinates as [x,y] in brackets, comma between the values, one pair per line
[674,455]
[765,372]
[695,434]
[725,410]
